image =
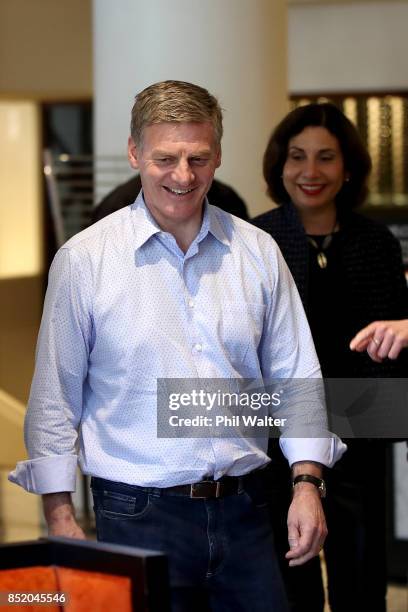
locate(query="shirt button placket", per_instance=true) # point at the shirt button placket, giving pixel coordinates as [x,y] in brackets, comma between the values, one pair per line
[196,345]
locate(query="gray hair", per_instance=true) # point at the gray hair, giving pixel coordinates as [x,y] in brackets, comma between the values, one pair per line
[174,102]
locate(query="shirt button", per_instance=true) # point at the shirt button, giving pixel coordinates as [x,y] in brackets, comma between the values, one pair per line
[198,347]
[191,303]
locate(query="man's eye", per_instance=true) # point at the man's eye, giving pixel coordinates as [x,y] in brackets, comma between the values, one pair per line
[199,161]
[163,160]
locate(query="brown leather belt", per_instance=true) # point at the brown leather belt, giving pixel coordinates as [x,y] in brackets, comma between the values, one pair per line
[204,489]
[207,489]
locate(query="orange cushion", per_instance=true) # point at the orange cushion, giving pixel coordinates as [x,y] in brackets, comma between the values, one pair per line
[94,591]
[85,590]
[31,580]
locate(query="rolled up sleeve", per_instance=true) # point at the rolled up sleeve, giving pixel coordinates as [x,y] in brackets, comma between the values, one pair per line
[54,474]
[56,399]
[321,450]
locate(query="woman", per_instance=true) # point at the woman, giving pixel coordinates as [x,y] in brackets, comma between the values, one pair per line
[348,270]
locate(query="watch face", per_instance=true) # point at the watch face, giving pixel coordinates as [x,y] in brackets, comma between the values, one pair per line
[322,489]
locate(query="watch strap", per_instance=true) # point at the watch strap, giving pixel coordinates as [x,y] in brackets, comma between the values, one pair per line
[318,482]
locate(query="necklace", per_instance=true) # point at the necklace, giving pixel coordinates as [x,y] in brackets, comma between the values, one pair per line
[321,255]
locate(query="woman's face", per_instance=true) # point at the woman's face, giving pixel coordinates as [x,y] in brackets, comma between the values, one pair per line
[313,173]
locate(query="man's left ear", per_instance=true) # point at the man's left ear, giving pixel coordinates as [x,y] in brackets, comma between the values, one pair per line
[218,158]
[133,154]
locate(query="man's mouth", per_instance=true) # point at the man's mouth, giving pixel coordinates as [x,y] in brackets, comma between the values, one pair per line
[179,192]
[311,189]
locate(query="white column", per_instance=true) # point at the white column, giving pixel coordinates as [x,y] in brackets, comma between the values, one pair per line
[234,48]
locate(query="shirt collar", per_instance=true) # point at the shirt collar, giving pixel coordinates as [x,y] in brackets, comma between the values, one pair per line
[214,225]
[145,225]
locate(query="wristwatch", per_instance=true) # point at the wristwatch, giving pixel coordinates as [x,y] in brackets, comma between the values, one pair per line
[318,482]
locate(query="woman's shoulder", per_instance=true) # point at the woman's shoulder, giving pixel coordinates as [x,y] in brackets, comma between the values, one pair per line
[357,223]
[369,244]
[279,220]
[268,219]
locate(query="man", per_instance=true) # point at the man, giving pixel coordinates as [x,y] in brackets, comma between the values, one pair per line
[171,287]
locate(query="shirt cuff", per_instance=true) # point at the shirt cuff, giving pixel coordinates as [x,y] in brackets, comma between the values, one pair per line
[321,450]
[52,474]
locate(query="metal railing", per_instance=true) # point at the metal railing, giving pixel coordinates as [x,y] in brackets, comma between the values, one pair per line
[75,184]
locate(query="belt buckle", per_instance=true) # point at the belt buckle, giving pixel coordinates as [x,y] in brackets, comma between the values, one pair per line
[213,491]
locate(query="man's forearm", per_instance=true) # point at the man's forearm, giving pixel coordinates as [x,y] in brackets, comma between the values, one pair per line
[58,507]
[307,467]
[59,513]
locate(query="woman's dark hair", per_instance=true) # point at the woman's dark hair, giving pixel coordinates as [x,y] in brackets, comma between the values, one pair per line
[357,161]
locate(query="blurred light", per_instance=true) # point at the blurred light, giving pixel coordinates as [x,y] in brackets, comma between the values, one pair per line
[20,190]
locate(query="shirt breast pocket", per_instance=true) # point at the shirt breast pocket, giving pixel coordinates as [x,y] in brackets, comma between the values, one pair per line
[241,330]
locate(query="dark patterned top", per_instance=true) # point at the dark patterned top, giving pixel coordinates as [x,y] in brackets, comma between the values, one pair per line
[363,282]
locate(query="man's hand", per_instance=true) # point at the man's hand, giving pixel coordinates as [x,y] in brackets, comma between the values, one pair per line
[382,339]
[60,516]
[307,528]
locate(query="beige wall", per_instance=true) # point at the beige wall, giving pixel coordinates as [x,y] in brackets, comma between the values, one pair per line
[348,46]
[45,54]
[46,48]
[20,311]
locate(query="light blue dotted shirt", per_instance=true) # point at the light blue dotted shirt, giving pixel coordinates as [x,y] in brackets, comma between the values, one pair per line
[126,306]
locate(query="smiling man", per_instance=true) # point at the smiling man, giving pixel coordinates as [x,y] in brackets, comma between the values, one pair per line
[177,164]
[172,287]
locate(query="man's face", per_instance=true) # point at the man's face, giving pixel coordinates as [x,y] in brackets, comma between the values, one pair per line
[176,162]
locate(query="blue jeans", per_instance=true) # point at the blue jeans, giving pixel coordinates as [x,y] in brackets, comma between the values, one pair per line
[220,551]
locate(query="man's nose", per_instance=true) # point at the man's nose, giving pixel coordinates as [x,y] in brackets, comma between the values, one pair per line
[183,173]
